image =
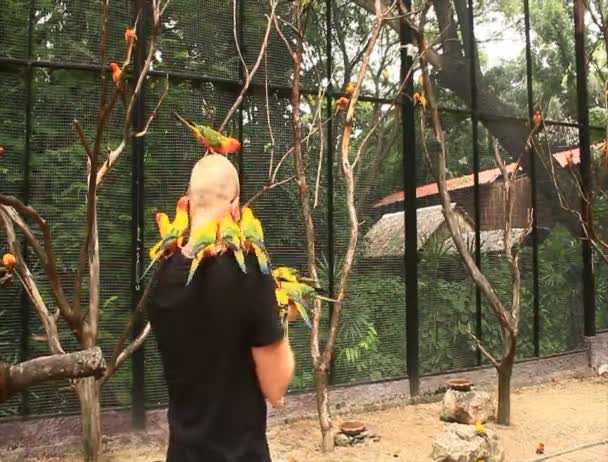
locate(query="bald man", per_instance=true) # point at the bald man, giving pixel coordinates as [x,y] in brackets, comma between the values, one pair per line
[220,339]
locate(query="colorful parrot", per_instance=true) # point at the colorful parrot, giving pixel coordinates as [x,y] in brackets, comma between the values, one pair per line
[537,119]
[116,73]
[253,238]
[350,88]
[9,261]
[130,35]
[420,100]
[287,274]
[341,103]
[211,139]
[202,243]
[171,234]
[230,239]
[292,294]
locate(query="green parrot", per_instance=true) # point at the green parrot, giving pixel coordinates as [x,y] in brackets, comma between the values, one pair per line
[230,239]
[210,138]
[202,243]
[253,239]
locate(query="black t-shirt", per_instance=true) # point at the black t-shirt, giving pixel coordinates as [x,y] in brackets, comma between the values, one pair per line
[205,331]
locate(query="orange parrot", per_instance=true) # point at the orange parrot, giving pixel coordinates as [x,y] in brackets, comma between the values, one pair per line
[537,119]
[9,261]
[342,102]
[116,73]
[130,35]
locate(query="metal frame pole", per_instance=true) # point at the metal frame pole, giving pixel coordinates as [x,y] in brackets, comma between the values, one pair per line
[330,168]
[476,167]
[533,179]
[24,345]
[242,46]
[585,155]
[138,412]
[411,227]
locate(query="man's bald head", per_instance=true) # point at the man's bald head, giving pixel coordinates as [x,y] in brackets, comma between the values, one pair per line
[214,189]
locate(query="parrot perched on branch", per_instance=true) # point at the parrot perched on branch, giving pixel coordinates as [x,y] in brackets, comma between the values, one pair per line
[420,100]
[130,35]
[171,233]
[211,139]
[537,119]
[292,294]
[116,73]
[253,238]
[230,239]
[203,242]
[342,103]
[9,261]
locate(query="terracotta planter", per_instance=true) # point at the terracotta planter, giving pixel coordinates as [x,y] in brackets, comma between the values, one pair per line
[460,384]
[352,428]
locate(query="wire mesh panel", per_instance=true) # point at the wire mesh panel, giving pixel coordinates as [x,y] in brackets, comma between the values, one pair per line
[71,31]
[12,123]
[199,38]
[14,29]
[371,342]
[446,294]
[201,48]
[560,262]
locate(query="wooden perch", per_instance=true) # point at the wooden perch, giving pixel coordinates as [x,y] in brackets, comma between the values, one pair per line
[19,377]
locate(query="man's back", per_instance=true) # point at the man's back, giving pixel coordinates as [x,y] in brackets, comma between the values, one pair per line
[205,332]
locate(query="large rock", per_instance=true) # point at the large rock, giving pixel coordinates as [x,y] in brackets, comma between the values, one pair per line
[461,443]
[466,407]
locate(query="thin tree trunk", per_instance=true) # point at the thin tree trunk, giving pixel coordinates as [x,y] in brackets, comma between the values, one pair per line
[327,431]
[505,372]
[90,415]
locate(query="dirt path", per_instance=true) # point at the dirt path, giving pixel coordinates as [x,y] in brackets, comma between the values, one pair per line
[562,415]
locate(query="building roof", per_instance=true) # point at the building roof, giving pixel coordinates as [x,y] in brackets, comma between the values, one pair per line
[485,177]
[387,236]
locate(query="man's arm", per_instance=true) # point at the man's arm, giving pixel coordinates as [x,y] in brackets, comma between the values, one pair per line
[274,360]
[275,365]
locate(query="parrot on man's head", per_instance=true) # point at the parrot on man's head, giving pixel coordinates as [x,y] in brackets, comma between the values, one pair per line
[253,238]
[212,140]
[171,233]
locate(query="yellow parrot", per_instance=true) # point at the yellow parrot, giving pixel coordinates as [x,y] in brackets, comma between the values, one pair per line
[171,233]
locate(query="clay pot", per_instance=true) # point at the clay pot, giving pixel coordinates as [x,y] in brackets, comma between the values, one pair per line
[352,428]
[460,384]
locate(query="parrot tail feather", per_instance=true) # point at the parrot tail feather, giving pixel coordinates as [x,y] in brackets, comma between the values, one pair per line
[262,259]
[147,270]
[302,310]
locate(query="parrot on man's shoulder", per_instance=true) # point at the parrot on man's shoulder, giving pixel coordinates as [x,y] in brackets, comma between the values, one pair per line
[203,243]
[171,233]
[230,239]
[253,239]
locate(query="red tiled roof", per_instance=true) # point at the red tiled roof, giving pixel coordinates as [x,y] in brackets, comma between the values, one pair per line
[467,181]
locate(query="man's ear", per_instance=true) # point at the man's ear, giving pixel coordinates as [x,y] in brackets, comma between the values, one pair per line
[235,209]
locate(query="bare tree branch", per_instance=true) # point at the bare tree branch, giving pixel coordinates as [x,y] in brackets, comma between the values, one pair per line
[46,254]
[28,283]
[254,69]
[19,377]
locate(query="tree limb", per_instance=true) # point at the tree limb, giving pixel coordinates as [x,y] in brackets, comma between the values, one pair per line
[27,281]
[19,377]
